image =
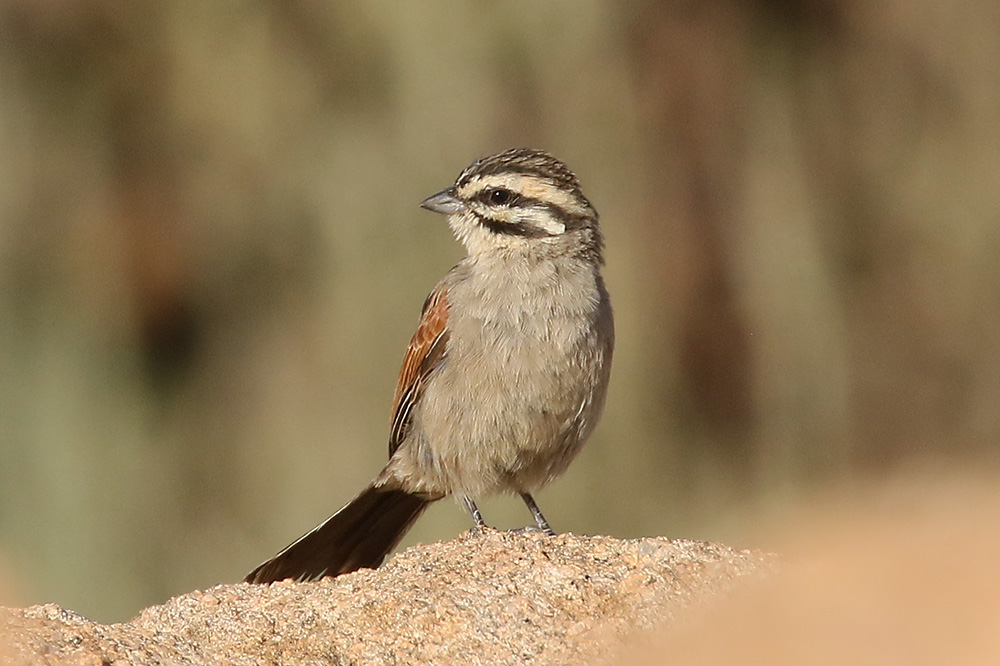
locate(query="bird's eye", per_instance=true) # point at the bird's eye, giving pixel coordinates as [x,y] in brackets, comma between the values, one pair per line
[500,197]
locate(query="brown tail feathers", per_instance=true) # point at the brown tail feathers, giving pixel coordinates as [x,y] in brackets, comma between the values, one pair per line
[359,535]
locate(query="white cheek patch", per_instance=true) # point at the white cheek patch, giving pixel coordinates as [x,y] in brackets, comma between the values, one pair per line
[546,223]
[538,218]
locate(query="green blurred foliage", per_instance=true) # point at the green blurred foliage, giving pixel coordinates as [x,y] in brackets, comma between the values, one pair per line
[211,259]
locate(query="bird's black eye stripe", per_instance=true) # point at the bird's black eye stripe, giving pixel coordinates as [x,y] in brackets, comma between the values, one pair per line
[510,229]
[497,196]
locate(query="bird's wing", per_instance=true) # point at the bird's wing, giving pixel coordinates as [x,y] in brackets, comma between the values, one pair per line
[425,353]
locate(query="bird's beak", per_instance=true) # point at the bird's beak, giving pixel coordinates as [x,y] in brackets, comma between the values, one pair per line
[444,202]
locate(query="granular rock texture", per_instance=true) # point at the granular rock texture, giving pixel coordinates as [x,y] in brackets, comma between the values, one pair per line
[487,598]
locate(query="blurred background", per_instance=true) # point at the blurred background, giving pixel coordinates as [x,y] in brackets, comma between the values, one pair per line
[211,259]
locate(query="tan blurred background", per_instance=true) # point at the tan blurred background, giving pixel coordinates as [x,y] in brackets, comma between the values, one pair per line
[211,259]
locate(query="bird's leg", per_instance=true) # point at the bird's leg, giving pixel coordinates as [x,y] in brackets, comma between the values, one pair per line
[543,524]
[474,511]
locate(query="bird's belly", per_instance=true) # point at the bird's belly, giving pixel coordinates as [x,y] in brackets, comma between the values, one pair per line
[501,421]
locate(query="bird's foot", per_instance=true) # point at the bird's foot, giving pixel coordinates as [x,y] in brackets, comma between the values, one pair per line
[533,529]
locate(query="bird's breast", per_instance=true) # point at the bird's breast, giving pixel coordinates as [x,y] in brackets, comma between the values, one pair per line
[507,407]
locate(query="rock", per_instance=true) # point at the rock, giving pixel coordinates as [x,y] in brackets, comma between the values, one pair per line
[489,598]
[900,571]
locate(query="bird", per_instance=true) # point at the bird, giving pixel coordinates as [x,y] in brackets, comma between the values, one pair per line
[506,375]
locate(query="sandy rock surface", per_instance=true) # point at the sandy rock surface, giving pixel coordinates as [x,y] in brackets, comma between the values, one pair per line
[489,598]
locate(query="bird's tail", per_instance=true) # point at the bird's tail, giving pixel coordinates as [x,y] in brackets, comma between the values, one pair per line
[359,535]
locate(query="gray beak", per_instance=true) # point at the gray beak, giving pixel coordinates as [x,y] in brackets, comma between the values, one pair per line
[444,202]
